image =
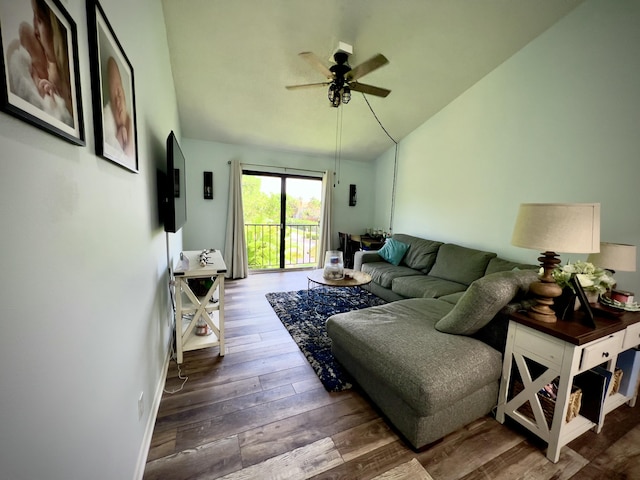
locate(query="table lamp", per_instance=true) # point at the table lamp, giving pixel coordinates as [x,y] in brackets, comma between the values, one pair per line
[551,228]
[615,256]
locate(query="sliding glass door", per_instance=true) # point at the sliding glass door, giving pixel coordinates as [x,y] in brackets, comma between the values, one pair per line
[282,219]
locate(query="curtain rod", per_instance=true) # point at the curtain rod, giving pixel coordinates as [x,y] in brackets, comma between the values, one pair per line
[275,166]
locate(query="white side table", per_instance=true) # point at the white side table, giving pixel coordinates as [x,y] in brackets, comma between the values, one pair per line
[542,352]
[201,307]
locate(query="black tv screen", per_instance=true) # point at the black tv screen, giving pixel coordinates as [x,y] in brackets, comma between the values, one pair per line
[176,188]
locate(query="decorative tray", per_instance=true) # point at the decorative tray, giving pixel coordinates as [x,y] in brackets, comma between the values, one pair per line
[610,302]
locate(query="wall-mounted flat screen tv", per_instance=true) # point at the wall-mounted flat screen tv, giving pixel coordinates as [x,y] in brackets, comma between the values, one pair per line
[175,211]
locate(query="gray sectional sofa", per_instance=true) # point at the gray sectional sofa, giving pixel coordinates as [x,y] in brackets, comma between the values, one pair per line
[429,269]
[432,363]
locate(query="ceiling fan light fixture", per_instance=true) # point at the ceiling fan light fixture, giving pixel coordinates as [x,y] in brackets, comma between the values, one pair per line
[334,95]
[331,93]
[340,74]
[346,94]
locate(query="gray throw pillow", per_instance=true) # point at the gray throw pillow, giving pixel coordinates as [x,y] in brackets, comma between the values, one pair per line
[483,300]
[422,252]
[500,265]
[460,264]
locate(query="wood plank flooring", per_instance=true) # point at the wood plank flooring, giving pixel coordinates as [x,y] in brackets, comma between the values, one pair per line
[260,412]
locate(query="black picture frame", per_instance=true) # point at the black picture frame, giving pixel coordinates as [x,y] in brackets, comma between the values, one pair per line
[112,82]
[40,72]
[564,305]
[584,302]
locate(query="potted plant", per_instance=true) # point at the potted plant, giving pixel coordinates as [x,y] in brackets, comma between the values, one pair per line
[593,280]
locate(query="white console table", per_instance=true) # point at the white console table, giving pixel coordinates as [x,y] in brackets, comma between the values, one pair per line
[201,307]
[562,350]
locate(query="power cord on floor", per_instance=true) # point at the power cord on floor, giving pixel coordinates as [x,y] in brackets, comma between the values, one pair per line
[180,377]
[173,355]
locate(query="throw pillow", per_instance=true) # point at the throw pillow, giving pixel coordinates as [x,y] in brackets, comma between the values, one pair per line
[483,299]
[460,264]
[422,252]
[393,251]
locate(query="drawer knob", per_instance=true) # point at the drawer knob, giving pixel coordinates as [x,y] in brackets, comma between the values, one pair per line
[605,354]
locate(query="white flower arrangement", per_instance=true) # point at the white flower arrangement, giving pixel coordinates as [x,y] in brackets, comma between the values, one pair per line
[591,278]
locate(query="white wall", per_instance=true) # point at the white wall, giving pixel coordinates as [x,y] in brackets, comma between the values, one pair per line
[84,301]
[207,219]
[557,122]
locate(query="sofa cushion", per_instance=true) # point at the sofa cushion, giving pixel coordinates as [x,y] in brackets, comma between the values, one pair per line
[460,264]
[483,299]
[383,273]
[393,251]
[498,264]
[421,254]
[425,286]
[452,298]
[427,369]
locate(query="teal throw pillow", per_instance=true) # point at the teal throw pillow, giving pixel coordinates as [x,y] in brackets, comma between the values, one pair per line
[393,251]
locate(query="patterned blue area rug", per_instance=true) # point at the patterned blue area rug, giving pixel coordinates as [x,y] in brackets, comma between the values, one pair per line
[304,315]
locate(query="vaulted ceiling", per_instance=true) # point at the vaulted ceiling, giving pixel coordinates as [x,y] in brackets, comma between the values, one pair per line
[232,59]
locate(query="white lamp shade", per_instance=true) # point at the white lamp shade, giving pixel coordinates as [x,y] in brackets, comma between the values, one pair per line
[615,256]
[558,227]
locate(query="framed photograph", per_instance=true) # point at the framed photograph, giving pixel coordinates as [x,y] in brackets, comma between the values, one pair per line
[113,92]
[584,302]
[40,73]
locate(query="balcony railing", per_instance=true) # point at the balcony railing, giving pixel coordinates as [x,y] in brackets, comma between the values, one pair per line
[263,245]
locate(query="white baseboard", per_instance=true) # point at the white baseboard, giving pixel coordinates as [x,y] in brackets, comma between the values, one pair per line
[151,420]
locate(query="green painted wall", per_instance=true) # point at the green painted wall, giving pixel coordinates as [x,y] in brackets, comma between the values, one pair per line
[557,122]
[207,222]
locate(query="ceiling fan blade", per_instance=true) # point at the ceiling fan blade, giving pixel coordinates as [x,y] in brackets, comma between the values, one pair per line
[370,89]
[369,66]
[316,63]
[307,85]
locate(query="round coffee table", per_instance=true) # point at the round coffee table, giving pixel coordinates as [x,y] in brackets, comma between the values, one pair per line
[353,278]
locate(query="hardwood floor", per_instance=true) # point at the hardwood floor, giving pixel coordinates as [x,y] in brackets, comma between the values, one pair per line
[261,412]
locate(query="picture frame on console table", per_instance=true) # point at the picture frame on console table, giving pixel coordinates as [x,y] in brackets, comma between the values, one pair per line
[40,68]
[584,303]
[112,92]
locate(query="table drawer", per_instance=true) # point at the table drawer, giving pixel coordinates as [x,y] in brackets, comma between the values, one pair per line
[601,351]
[549,350]
[632,336]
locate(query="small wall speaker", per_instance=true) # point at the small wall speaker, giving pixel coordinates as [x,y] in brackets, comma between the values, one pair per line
[208,185]
[352,195]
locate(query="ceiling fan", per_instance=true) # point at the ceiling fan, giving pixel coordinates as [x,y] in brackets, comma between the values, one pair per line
[342,79]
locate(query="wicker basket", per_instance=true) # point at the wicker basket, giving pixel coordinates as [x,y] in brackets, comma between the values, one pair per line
[548,405]
[616,379]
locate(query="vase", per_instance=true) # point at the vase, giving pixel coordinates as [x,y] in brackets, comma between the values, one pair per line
[333,265]
[202,328]
[592,297]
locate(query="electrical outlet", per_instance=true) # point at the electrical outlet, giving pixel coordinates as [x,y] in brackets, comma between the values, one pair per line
[141,406]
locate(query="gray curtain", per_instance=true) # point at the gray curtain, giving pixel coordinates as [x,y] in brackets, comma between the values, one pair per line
[324,242]
[235,246]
